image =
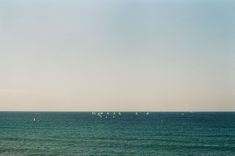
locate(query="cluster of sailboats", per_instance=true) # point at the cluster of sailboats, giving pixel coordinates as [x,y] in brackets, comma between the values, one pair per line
[107,114]
[112,114]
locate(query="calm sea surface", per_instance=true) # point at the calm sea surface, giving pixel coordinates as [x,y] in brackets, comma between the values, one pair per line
[117,134]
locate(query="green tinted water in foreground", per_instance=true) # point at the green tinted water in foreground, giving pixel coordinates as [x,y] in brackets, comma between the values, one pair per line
[126,134]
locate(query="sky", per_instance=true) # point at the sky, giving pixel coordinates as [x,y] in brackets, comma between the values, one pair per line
[117,55]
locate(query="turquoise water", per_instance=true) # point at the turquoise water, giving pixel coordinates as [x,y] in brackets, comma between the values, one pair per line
[126,134]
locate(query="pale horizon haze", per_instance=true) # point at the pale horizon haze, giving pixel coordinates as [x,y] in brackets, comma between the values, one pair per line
[117,55]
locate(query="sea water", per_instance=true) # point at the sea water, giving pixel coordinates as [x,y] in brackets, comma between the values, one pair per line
[124,133]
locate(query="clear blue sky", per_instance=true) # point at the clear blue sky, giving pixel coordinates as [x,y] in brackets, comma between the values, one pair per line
[70,55]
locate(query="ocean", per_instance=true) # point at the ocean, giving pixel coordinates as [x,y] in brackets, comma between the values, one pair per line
[124,133]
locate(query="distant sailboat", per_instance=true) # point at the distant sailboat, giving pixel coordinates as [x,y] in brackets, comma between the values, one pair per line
[99,114]
[35,120]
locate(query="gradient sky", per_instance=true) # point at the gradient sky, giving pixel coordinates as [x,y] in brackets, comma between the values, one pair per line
[119,55]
